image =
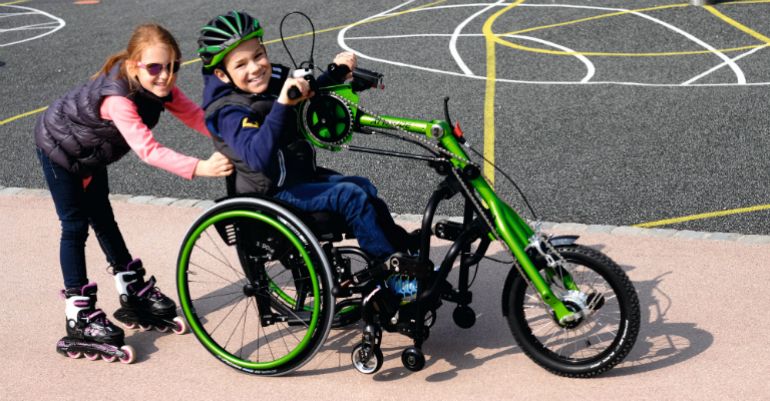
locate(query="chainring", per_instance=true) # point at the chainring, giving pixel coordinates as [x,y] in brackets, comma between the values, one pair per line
[326,121]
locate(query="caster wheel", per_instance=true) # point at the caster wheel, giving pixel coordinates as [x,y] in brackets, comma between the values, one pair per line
[413,359]
[369,367]
[129,354]
[464,317]
[181,326]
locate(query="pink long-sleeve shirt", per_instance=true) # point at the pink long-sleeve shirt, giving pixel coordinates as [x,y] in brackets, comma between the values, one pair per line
[123,112]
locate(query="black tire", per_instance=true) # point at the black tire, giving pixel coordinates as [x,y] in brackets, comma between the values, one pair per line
[255,286]
[413,359]
[600,340]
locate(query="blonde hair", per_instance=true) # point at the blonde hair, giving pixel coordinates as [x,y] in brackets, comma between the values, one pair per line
[144,36]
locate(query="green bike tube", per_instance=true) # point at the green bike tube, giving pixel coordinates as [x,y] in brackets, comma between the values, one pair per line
[513,230]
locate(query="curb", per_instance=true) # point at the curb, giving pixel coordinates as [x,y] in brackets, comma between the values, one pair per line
[571,227]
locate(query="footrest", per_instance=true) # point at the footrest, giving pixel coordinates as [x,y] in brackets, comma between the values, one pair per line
[448,230]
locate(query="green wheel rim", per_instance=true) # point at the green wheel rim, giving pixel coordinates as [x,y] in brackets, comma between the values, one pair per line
[184,296]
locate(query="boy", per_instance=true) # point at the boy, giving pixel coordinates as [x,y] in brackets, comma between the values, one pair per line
[253,122]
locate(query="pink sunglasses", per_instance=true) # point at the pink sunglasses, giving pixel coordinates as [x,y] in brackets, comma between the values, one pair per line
[156,68]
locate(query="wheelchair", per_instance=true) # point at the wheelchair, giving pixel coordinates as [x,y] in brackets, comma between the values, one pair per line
[258,281]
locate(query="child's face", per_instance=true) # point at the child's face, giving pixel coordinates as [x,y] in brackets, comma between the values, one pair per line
[248,67]
[153,69]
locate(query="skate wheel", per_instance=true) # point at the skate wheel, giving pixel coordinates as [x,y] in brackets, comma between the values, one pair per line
[145,328]
[163,329]
[132,326]
[75,354]
[92,356]
[130,354]
[181,326]
[110,358]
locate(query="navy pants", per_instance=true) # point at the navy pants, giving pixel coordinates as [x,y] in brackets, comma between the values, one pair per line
[356,199]
[79,208]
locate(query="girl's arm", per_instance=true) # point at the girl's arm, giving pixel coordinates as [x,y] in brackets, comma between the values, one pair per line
[187,111]
[124,115]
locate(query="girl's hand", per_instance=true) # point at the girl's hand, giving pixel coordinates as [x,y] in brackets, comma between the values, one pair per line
[302,84]
[218,165]
[348,59]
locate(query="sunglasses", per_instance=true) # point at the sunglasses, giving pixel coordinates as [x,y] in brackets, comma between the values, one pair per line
[156,68]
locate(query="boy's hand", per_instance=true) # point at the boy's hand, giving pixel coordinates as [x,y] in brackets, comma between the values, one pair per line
[302,84]
[218,165]
[348,59]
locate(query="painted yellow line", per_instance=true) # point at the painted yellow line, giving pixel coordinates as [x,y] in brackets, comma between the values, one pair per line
[595,17]
[489,114]
[13,2]
[703,216]
[507,43]
[188,62]
[384,17]
[29,113]
[489,94]
[754,34]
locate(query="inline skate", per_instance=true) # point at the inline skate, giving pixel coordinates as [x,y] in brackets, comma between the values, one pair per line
[143,305]
[89,332]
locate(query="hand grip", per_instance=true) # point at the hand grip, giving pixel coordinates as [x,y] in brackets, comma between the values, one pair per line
[293,93]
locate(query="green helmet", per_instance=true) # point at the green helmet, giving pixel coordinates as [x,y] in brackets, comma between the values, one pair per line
[223,34]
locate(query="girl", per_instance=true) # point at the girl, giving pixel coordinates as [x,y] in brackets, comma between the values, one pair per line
[96,124]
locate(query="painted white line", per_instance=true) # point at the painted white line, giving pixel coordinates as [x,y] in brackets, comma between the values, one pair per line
[719,66]
[458,30]
[341,33]
[6,15]
[590,69]
[43,25]
[56,21]
[740,77]
[733,66]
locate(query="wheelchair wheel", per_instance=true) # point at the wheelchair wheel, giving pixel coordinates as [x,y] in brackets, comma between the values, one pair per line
[255,286]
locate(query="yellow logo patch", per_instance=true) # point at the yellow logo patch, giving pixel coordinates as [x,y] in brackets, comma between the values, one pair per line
[249,124]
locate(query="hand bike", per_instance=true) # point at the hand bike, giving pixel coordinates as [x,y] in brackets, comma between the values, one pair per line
[261,284]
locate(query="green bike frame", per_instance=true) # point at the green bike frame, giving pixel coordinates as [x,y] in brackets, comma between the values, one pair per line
[509,226]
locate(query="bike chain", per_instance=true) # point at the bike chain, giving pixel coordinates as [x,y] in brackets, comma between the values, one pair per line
[433,145]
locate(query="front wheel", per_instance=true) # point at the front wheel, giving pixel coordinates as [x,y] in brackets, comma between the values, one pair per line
[600,293]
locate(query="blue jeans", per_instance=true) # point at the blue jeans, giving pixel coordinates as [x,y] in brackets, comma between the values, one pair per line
[356,199]
[77,209]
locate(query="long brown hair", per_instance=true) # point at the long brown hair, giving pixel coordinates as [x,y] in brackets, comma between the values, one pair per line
[143,37]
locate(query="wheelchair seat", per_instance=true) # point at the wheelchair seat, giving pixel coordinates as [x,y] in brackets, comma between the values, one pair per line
[327,226]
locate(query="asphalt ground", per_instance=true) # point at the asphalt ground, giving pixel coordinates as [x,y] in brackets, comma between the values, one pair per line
[630,145]
[703,334]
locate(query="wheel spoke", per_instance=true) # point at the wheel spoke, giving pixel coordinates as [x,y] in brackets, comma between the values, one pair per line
[229,287]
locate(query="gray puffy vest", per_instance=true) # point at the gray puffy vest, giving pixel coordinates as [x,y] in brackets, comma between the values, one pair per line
[72,133]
